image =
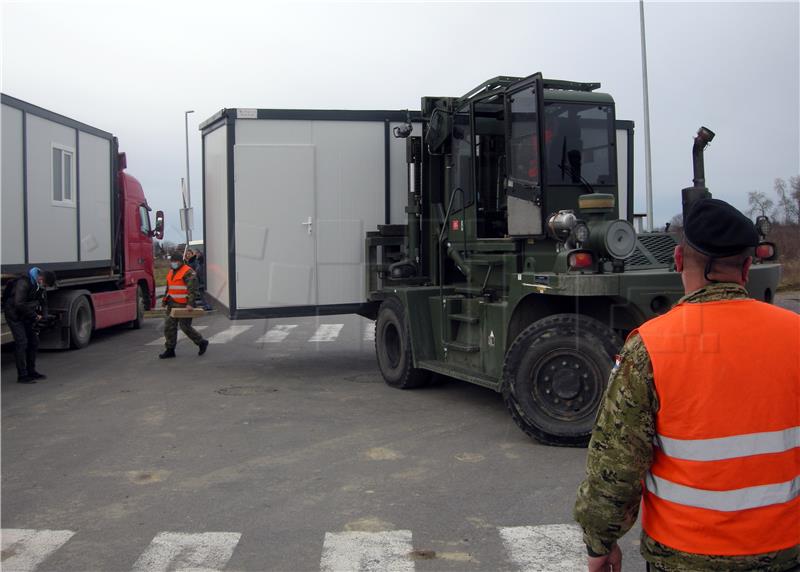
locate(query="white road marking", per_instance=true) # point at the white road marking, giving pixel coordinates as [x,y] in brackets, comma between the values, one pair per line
[225,336]
[25,549]
[181,336]
[277,334]
[369,332]
[546,548]
[327,333]
[388,551]
[181,551]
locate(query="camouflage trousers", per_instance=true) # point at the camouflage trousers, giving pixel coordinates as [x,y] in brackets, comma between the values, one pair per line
[171,326]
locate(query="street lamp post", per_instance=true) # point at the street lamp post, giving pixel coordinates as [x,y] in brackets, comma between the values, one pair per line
[187,198]
[646,98]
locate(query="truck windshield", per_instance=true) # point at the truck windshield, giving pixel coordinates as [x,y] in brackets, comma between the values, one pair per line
[579,144]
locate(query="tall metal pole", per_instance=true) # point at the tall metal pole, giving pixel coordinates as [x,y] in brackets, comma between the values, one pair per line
[188,197]
[647,167]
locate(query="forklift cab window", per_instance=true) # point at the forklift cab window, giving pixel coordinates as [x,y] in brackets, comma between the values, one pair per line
[523,160]
[490,172]
[144,220]
[462,159]
[579,144]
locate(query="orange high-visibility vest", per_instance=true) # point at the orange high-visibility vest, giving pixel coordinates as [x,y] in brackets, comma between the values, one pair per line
[176,285]
[725,478]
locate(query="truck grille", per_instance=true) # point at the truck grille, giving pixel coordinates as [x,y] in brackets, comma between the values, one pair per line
[652,251]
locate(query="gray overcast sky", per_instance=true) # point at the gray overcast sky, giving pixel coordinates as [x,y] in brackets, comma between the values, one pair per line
[133,68]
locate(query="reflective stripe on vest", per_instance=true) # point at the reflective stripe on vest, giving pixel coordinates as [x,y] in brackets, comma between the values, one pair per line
[724,501]
[725,478]
[176,285]
[730,447]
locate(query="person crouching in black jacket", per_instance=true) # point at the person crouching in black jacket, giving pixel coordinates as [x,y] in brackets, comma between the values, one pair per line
[24,304]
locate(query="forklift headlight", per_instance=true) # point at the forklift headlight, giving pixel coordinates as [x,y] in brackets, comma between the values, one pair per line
[580,232]
[763,226]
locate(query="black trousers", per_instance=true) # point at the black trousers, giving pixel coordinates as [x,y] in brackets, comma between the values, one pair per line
[26,342]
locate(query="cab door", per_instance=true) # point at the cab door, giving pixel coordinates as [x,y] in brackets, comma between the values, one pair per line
[524,158]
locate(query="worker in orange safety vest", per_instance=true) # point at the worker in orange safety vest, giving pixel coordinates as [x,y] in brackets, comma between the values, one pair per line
[701,421]
[181,293]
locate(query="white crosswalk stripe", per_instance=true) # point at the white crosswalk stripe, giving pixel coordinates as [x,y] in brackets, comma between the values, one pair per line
[545,548]
[228,334]
[327,333]
[369,332]
[180,551]
[277,334]
[181,336]
[25,549]
[388,551]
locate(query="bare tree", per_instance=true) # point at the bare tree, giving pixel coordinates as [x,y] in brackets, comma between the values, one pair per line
[794,193]
[760,205]
[789,201]
[675,225]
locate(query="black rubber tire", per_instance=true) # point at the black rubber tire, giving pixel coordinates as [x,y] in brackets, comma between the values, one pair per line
[554,377]
[141,303]
[81,323]
[393,348]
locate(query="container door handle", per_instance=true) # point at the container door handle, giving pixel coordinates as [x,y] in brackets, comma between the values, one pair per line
[308,224]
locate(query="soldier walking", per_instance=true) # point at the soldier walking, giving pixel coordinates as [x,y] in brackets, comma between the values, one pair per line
[181,293]
[701,421]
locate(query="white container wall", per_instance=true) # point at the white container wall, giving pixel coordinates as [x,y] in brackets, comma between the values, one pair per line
[289,196]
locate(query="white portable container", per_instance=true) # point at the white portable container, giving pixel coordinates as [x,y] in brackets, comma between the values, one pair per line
[288,196]
[57,190]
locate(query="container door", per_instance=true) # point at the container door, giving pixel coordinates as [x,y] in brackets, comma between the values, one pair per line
[275,226]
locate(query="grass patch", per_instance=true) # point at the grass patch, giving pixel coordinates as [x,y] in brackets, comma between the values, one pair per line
[787,238]
[160,271]
[790,276]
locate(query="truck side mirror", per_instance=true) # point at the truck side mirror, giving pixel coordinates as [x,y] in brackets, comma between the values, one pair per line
[159,231]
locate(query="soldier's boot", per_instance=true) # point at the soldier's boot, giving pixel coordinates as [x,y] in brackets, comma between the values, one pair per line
[25,379]
[168,353]
[203,347]
[32,373]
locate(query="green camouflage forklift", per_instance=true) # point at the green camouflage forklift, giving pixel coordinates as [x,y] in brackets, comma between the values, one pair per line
[520,269]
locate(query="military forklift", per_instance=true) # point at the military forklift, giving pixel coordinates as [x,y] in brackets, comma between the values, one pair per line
[518,270]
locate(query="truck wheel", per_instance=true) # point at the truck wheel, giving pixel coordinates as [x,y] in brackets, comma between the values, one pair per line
[137,322]
[393,348]
[80,323]
[554,377]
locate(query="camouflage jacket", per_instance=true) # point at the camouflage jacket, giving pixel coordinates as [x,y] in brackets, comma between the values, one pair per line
[192,287]
[621,452]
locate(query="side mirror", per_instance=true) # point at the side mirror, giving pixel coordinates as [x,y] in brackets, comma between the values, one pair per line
[159,231]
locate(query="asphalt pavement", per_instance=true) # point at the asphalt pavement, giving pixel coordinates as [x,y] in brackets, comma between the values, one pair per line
[280,449]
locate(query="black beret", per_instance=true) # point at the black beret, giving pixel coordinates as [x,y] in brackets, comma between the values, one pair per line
[175,257]
[715,228]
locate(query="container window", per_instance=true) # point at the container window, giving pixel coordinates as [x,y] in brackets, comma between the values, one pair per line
[63,182]
[58,176]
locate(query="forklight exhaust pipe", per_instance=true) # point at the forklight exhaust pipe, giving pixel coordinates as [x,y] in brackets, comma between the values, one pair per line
[698,191]
[702,139]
